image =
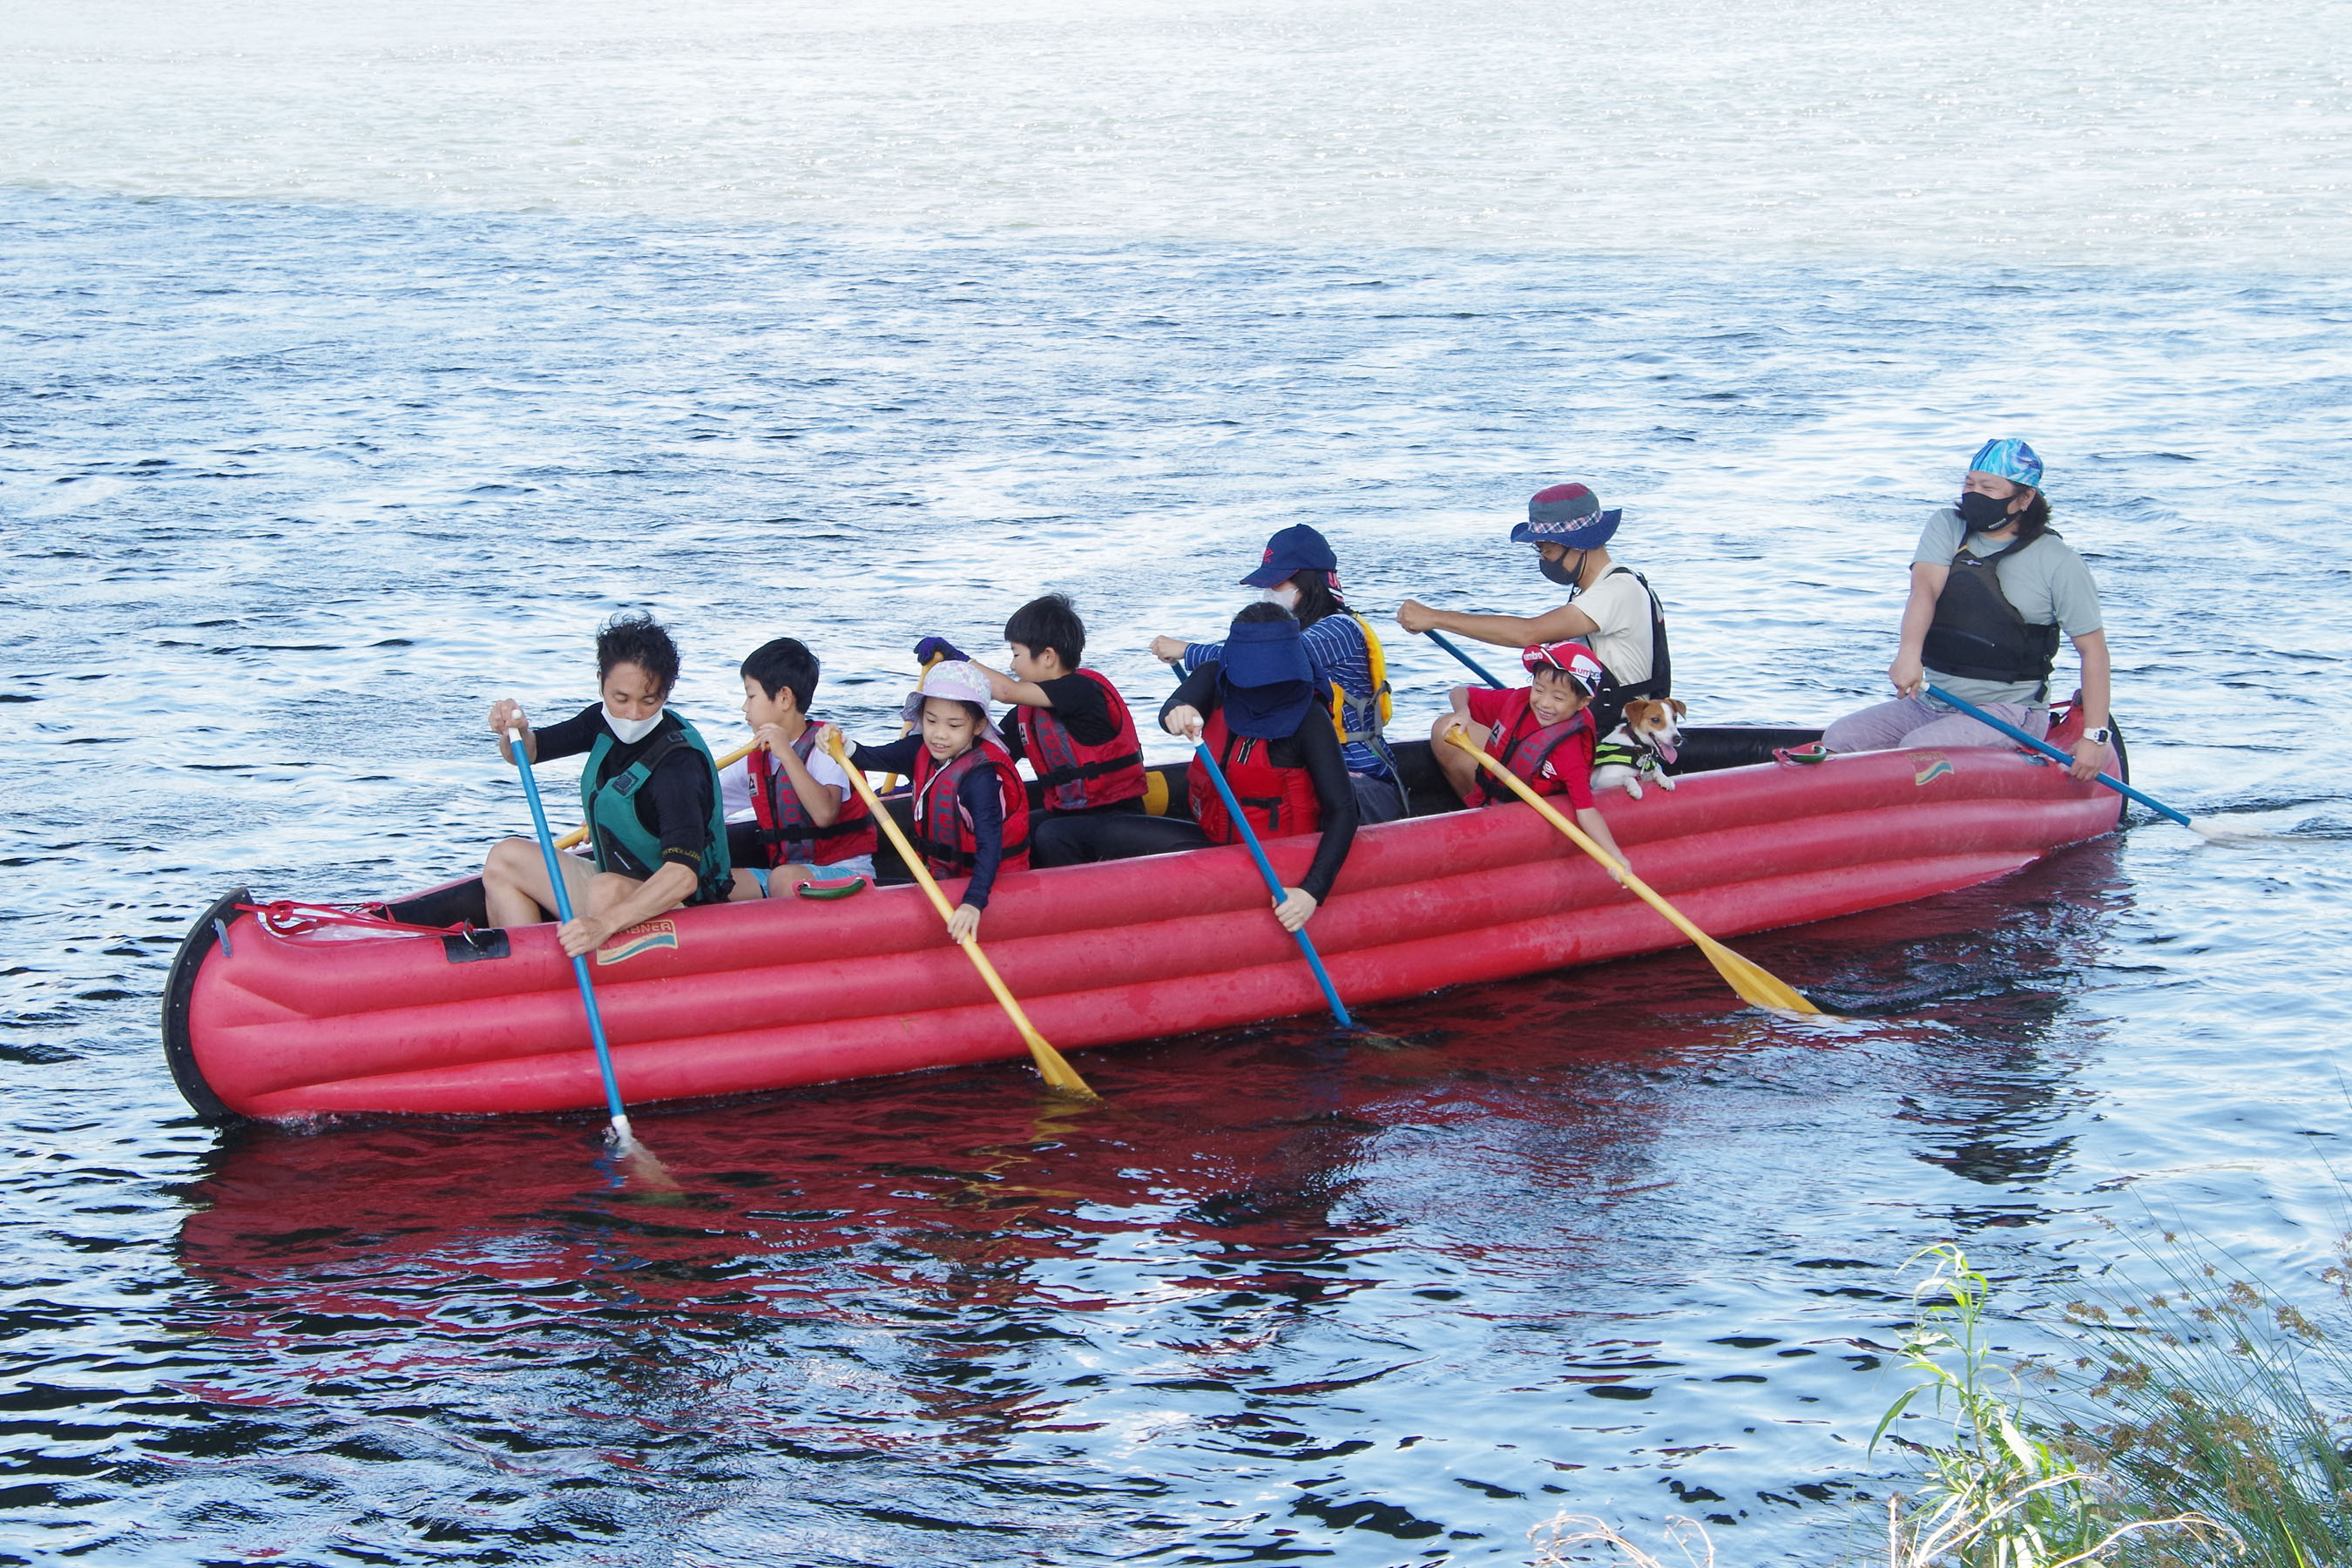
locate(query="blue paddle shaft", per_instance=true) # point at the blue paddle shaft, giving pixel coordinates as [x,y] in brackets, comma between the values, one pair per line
[1480,670]
[1274,883]
[2047,749]
[563,912]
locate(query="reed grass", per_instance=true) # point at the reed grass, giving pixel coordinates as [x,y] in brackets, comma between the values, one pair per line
[2198,1424]
[2212,1395]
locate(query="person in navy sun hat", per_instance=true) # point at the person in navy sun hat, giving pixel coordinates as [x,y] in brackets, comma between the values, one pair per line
[1299,548]
[1610,608]
[1300,571]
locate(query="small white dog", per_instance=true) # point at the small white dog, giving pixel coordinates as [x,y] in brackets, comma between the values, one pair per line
[1640,747]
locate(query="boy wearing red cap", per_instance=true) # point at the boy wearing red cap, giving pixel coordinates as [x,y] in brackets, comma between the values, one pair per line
[1542,733]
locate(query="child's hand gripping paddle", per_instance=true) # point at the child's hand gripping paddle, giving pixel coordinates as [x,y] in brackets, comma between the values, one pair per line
[624,1141]
[1754,984]
[1058,1074]
[2202,829]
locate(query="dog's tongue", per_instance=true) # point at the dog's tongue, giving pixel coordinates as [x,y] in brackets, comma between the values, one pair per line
[1666,749]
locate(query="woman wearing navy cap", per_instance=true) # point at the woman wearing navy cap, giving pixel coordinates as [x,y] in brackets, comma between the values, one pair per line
[1993,590]
[1301,572]
[1258,709]
[1610,608]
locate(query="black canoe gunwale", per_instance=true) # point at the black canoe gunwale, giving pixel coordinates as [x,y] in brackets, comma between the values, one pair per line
[179,1049]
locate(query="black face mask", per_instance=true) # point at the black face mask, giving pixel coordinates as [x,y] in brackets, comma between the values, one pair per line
[1980,512]
[1557,569]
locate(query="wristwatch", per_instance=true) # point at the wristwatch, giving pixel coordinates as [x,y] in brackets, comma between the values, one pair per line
[2102,735]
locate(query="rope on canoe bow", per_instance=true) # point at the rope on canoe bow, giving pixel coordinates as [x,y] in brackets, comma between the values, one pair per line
[286,917]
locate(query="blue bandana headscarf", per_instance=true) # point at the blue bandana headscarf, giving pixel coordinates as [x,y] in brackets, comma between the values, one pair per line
[1265,683]
[2009,459]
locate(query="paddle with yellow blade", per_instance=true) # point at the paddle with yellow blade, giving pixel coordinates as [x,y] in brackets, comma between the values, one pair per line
[1754,984]
[1059,1074]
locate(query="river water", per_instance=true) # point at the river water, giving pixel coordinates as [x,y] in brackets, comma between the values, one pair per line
[354,365]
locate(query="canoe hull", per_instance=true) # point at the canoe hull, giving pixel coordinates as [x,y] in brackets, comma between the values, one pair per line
[749,997]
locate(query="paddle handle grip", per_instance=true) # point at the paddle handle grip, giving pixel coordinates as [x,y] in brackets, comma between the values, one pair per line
[563,912]
[1480,670]
[2047,749]
[1274,883]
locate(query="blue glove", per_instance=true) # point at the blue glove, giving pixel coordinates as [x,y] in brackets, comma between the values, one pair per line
[931,649]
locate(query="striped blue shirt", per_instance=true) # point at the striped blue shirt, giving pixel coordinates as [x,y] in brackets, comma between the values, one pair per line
[1335,646]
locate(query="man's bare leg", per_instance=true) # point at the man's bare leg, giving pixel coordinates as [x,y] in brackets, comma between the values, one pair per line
[515,885]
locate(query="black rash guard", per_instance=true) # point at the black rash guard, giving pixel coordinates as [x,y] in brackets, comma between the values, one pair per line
[1314,746]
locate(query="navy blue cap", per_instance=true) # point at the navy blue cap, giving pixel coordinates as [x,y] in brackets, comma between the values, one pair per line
[1569,516]
[1298,548]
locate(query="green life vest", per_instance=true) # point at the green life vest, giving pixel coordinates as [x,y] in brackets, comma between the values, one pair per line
[611,812]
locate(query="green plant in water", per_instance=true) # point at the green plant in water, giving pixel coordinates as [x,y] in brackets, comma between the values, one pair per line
[2002,1493]
[2205,1398]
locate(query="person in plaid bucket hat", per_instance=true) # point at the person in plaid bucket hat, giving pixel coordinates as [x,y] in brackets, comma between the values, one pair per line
[1611,606]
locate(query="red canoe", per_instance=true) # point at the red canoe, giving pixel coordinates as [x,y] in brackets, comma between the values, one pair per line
[746,997]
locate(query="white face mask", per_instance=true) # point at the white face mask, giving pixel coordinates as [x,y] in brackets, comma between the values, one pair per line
[629,732]
[1286,595]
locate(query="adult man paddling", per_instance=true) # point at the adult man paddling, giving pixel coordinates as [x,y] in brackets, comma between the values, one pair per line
[1610,608]
[1992,589]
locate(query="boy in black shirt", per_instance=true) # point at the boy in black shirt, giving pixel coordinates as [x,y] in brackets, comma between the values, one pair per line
[1070,723]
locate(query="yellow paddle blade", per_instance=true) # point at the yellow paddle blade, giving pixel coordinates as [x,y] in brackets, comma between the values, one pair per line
[1756,986]
[1058,1074]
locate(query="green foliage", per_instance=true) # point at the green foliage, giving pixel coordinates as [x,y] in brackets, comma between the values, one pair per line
[1998,1496]
[2207,1397]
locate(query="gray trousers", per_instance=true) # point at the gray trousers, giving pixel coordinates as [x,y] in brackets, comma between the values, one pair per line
[1916,721]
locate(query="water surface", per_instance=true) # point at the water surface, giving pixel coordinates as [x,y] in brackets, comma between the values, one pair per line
[302,464]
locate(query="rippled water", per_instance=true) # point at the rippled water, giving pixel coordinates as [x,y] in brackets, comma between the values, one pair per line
[295,476]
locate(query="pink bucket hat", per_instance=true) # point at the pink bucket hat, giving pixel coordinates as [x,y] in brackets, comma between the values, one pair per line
[957,681]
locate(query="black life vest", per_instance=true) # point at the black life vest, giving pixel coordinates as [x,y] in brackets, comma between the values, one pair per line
[610,809]
[943,829]
[1277,801]
[1082,778]
[1978,634]
[1524,745]
[1609,703]
[786,834]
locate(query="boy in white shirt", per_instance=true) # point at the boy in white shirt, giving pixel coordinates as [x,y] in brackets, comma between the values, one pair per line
[791,813]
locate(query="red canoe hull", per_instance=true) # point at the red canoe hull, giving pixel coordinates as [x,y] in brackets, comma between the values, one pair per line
[775,995]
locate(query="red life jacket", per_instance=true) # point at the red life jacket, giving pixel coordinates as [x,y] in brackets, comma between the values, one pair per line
[786,834]
[1277,801]
[1077,777]
[944,831]
[1524,745]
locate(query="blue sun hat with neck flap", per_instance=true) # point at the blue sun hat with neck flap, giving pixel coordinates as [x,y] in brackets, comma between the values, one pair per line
[2007,458]
[1265,683]
[1569,516]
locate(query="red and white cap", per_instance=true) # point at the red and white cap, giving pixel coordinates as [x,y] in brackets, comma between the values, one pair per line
[1571,658]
